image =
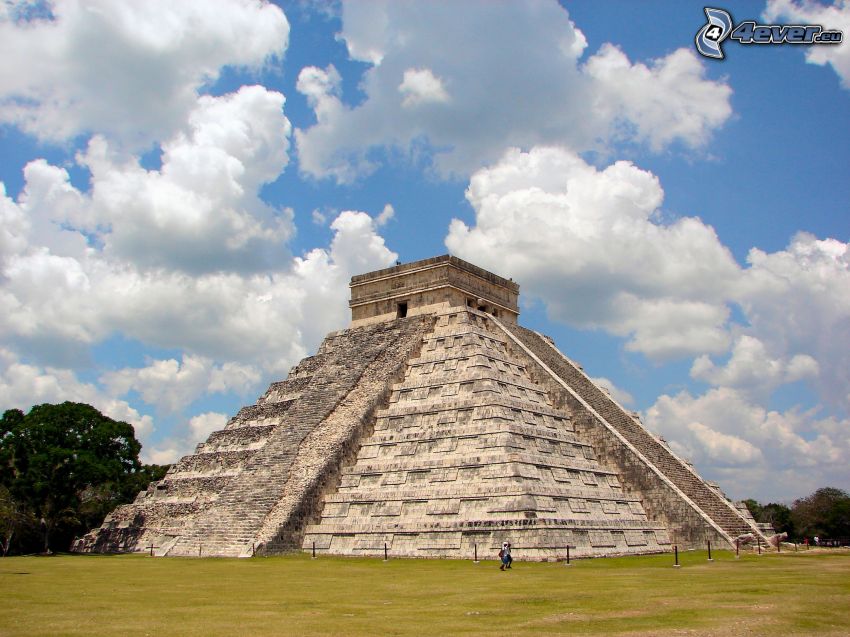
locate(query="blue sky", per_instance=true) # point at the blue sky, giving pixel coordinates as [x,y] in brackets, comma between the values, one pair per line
[188,187]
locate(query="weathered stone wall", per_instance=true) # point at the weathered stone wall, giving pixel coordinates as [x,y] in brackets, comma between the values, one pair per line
[671,492]
[430,286]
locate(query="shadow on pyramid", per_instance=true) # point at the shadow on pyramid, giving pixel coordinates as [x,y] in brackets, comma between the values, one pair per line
[433,427]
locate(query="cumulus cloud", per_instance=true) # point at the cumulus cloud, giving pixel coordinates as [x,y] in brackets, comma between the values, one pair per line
[720,447]
[834,17]
[467,103]
[13,227]
[188,251]
[797,302]
[268,319]
[421,86]
[751,368]
[201,211]
[128,70]
[781,455]
[319,217]
[593,246]
[386,214]
[660,103]
[22,386]
[316,153]
[171,385]
[590,243]
[204,424]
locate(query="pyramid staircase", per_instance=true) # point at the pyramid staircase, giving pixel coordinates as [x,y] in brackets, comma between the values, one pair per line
[656,456]
[471,452]
[215,502]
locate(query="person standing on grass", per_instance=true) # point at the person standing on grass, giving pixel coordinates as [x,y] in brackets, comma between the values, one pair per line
[505,554]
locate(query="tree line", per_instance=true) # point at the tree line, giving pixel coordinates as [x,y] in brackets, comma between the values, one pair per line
[825,514]
[63,468]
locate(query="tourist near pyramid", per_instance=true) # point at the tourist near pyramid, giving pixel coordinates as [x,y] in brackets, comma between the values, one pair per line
[435,426]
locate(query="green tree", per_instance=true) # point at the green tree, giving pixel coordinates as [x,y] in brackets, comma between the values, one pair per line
[779,517]
[13,519]
[754,508]
[69,465]
[825,513]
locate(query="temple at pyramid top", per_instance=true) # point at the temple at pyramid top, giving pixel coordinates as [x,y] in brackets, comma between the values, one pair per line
[428,286]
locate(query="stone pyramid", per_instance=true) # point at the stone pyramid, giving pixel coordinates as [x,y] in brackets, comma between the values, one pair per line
[435,426]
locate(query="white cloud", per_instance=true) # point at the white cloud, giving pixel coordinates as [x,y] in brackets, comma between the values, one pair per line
[166,452]
[204,424]
[667,101]
[797,302]
[269,319]
[14,227]
[23,385]
[317,155]
[386,214]
[201,211]
[355,248]
[186,257]
[752,369]
[187,254]
[172,385]
[318,85]
[724,448]
[128,70]
[319,217]
[233,377]
[834,17]
[468,103]
[591,245]
[750,449]
[421,86]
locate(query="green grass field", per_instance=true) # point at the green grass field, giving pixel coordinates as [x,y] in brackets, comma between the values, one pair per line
[787,594]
